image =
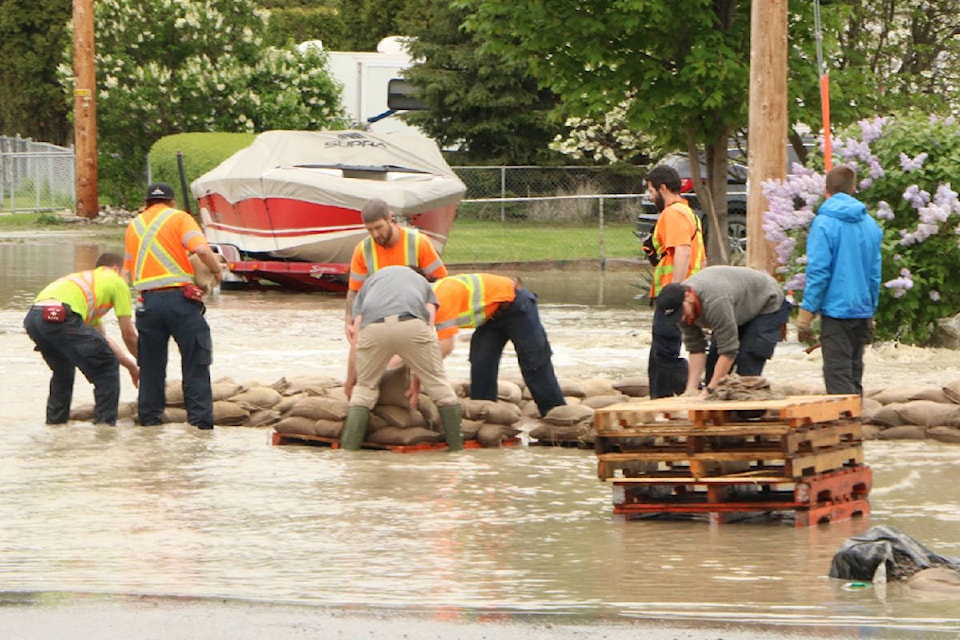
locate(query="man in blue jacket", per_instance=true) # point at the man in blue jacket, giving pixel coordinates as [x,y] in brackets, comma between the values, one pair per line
[843,282]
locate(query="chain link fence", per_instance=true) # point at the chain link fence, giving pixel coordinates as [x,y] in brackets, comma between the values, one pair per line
[36,176]
[562,194]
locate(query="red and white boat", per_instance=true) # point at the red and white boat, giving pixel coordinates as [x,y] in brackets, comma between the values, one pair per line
[287,208]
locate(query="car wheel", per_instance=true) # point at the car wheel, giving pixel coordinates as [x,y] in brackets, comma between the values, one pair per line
[737,236]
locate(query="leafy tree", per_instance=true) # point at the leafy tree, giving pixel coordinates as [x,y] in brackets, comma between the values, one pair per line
[366,22]
[32,36]
[905,165]
[170,66]
[295,21]
[689,73]
[488,106]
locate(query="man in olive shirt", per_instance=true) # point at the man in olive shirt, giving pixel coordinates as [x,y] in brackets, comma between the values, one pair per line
[744,309]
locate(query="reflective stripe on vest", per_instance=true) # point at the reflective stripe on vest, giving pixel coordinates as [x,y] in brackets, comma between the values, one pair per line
[412,241]
[696,253]
[473,315]
[147,235]
[85,282]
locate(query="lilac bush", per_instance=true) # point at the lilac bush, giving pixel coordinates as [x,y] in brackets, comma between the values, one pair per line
[905,165]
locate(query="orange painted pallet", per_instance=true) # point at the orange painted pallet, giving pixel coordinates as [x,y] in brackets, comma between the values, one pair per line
[820,513]
[834,486]
[334,443]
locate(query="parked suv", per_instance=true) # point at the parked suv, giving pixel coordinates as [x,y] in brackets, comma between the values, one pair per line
[736,201]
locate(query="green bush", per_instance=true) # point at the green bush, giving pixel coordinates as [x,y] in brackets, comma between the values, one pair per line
[201,152]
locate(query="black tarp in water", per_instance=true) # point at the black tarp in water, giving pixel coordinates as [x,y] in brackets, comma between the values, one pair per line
[883,553]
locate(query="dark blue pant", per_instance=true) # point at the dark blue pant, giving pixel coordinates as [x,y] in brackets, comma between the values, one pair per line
[666,370]
[68,346]
[519,322]
[165,314]
[843,342]
[758,339]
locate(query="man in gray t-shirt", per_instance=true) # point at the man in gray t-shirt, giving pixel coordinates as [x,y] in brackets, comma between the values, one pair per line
[744,309]
[393,315]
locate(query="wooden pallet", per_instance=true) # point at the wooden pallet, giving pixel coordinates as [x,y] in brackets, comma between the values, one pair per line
[792,410]
[711,463]
[683,436]
[834,486]
[279,439]
[816,514]
[824,497]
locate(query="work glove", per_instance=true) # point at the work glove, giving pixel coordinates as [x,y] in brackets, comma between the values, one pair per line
[805,332]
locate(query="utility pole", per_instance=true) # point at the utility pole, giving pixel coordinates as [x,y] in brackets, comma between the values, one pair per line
[767,153]
[85,109]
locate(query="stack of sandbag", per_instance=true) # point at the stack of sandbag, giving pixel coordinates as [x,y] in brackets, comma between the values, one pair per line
[572,425]
[914,412]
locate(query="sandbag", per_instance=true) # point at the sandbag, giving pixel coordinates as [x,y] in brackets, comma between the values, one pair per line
[257,397]
[403,436]
[567,415]
[941,581]
[174,415]
[883,553]
[558,435]
[82,413]
[904,432]
[927,413]
[492,435]
[490,411]
[229,413]
[952,391]
[803,389]
[509,391]
[263,418]
[897,393]
[944,434]
[402,417]
[428,409]
[286,403]
[634,386]
[296,425]
[573,388]
[319,408]
[469,429]
[888,415]
[202,276]
[934,394]
[312,385]
[393,387]
[598,402]
[597,387]
[328,428]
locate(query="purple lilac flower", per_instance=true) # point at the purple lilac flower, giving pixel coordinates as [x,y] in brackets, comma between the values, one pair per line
[912,164]
[871,130]
[946,197]
[900,285]
[935,295]
[884,212]
[916,196]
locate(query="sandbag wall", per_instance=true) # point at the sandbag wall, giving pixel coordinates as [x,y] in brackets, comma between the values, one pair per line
[317,406]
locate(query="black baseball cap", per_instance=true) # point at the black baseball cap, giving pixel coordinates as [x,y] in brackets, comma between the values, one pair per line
[671,299]
[159,191]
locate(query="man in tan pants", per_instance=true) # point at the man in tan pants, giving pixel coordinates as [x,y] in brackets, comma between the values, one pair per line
[393,315]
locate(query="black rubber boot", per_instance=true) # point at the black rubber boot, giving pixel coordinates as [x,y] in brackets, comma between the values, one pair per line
[354,428]
[450,417]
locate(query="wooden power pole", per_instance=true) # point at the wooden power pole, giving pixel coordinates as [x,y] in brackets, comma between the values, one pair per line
[767,153]
[85,109]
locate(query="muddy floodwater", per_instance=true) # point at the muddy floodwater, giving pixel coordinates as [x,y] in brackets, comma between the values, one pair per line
[498,535]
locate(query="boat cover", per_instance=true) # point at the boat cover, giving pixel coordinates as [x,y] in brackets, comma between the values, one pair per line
[323,167]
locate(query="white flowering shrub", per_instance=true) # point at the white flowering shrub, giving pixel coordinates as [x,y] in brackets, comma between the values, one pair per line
[905,166]
[172,66]
[610,139]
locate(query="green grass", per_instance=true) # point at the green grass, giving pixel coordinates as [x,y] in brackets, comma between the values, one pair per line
[471,241]
[492,241]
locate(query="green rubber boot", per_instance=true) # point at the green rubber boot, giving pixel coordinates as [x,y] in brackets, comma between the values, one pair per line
[354,428]
[450,417]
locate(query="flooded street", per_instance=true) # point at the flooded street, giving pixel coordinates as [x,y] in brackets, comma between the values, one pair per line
[174,512]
